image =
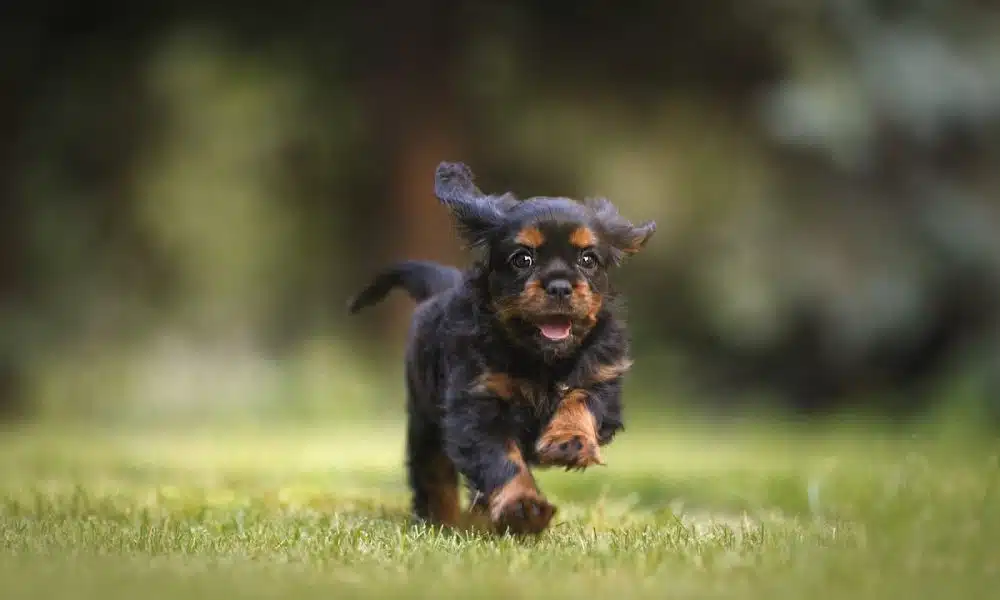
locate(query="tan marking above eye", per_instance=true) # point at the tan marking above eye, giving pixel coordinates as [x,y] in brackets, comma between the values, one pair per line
[583,237]
[530,236]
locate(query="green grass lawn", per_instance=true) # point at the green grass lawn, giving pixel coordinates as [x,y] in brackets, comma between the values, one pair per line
[314,512]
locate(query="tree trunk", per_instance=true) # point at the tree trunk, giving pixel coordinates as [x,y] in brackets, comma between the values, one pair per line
[418,117]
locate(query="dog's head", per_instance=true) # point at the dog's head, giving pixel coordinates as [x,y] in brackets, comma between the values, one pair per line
[546,259]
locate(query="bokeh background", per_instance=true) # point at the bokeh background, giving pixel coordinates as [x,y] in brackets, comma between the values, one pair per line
[190,192]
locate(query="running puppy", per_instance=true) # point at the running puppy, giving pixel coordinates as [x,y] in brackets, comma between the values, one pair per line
[517,362]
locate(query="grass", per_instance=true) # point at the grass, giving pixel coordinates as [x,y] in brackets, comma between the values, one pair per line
[681,512]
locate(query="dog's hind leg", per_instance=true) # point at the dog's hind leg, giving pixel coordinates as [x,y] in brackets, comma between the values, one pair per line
[432,476]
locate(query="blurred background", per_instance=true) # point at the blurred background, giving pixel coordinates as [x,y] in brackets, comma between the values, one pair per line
[189,193]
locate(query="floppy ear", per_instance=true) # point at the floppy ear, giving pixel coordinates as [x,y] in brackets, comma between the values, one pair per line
[624,237]
[476,214]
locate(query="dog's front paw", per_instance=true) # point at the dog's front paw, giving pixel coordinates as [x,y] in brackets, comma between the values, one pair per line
[568,449]
[525,512]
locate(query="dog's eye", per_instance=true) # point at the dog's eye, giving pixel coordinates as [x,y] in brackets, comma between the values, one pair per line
[521,260]
[588,260]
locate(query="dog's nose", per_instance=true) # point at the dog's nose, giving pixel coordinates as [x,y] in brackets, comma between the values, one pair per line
[559,288]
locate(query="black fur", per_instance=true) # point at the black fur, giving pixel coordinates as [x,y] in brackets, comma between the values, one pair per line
[487,321]
[420,279]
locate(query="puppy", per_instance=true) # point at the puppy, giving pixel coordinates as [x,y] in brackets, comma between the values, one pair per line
[517,362]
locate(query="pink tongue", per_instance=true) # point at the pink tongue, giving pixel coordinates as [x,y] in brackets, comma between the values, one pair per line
[556,330]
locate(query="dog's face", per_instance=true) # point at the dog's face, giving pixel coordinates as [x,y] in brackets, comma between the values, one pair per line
[548,272]
[547,259]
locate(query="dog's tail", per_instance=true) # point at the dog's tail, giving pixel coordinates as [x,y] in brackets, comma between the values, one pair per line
[420,279]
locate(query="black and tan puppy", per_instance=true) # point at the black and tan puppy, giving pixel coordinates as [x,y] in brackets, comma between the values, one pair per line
[517,362]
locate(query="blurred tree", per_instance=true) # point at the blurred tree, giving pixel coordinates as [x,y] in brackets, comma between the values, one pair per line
[835,236]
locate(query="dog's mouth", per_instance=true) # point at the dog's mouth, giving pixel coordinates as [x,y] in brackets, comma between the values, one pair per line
[555,328]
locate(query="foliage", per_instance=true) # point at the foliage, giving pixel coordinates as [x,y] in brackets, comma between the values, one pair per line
[216,181]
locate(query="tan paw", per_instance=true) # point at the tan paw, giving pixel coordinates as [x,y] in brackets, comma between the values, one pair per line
[567,449]
[522,513]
